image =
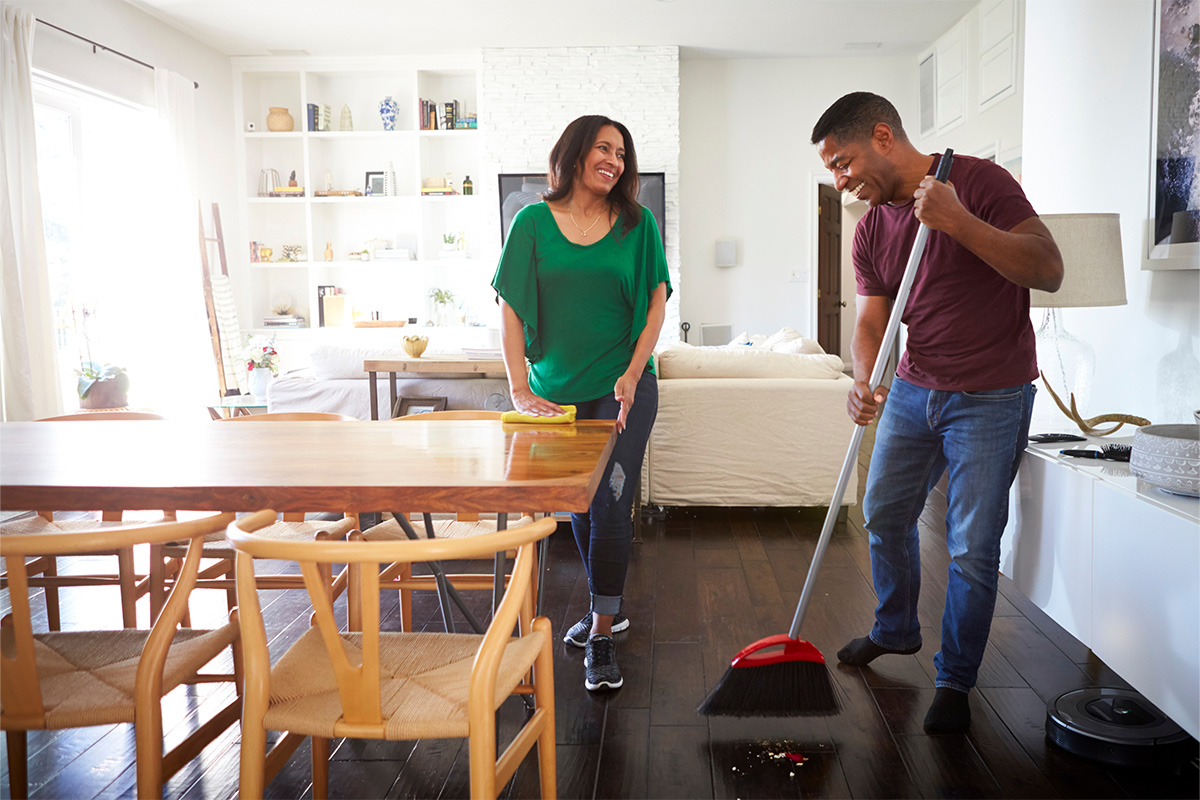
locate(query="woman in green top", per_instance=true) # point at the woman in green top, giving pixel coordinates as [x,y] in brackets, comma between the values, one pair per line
[583,290]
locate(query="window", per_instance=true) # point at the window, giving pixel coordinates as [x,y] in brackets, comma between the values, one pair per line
[96,165]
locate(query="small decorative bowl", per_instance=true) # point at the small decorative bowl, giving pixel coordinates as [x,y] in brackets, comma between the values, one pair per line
[1168,456]
[415,345]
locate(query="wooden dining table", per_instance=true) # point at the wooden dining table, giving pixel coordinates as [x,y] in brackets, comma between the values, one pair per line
[433,465]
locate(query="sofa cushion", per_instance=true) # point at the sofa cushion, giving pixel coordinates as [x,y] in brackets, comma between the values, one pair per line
[334,362]
[744,362]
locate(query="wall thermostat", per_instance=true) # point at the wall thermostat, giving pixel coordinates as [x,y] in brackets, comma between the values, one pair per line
[251,127]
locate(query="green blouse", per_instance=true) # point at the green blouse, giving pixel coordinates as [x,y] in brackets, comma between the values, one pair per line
[583,306]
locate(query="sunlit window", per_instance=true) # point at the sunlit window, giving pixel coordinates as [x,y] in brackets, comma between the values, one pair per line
[101,204]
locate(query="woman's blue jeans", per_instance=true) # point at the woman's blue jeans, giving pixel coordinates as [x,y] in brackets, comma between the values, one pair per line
[979,438]
[605,534]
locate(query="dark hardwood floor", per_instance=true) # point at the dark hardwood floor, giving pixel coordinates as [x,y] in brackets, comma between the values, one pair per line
[702,585]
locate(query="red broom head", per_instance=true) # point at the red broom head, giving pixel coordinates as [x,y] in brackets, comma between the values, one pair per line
[793,650]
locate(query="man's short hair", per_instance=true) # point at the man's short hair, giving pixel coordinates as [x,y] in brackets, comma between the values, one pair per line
[854,116]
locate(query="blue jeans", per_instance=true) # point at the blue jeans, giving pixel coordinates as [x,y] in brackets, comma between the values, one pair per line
[604,535]
[979,437]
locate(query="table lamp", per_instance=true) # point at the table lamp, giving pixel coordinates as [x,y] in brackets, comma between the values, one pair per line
[1093,275]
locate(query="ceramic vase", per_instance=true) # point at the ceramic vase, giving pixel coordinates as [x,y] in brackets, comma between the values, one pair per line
[260,377]
[387,111]
[389,181]
[279,120]
[347,121]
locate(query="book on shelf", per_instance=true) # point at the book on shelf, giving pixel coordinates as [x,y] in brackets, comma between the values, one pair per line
[393,254]
[325,115]
[311,117]
[283,321]
[323,291]
[287,191]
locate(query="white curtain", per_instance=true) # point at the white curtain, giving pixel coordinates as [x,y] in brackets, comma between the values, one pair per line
[28,358]
[170,339]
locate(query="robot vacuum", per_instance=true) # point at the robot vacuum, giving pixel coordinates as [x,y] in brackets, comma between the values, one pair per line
[1116,726]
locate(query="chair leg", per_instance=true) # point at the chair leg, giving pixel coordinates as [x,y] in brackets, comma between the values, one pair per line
[320,767]
[18,777]
[231,592]
[158,582]
[53,617]
[252,772]
[128,581]
[406,601]
[148,738]
[543,692]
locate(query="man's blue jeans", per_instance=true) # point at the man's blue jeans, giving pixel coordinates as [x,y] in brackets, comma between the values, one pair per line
[979,437]
[604,535]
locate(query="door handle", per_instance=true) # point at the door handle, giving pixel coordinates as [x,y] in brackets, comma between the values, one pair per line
[842,304]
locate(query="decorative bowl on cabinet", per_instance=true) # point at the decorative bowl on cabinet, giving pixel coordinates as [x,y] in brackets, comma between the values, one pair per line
[1168,456]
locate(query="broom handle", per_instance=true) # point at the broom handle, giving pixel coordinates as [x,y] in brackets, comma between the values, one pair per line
[881,361]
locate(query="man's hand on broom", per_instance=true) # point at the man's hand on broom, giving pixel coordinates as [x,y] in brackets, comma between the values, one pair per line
[862,405]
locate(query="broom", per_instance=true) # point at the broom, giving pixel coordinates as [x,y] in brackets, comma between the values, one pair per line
[794,681]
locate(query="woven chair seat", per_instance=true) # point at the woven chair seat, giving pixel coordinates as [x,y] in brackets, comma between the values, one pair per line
[442,529]
[40,525]
[87,678]
[418,700]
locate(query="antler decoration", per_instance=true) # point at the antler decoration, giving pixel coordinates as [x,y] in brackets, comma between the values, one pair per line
[1088,425]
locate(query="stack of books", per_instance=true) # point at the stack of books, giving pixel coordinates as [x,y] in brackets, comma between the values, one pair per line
[437,191]
[393,254]
[287,191]
[283,321]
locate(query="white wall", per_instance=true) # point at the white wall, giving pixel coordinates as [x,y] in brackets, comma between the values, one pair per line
[748,171]
[529,95]
[1087,149]
[120,26]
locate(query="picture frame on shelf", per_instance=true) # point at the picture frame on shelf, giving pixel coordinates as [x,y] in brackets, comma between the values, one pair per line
[406,406]
[374,184]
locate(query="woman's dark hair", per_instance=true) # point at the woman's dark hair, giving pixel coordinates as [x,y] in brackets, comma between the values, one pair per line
[570,150]
[854,116]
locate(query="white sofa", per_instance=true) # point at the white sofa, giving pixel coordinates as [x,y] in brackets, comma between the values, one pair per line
[749,426]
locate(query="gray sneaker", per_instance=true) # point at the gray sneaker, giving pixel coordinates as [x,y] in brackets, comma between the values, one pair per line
[579,632]
[600,670]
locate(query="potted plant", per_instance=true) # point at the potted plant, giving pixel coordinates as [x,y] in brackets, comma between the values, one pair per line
[442,298]
[102,386]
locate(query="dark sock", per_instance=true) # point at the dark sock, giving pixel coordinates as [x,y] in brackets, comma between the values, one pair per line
[861,652]
[949,712]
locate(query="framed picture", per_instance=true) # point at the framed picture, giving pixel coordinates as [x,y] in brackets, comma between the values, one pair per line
[1174,216]
[374,187]
[407,406]
[518,190]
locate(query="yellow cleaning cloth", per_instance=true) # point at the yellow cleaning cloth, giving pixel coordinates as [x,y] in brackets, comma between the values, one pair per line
[517,416]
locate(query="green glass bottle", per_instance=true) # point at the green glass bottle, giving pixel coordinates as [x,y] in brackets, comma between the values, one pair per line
[467,186]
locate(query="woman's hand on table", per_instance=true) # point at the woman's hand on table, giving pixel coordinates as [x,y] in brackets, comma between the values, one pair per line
[525,401]
[624,390]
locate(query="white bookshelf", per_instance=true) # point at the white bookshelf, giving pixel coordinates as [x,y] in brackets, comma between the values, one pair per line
[395,289]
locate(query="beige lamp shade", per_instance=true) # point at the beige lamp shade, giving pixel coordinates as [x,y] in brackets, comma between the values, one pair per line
[1093,268]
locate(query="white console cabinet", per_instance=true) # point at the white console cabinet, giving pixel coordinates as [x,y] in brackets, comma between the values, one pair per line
[1116,562]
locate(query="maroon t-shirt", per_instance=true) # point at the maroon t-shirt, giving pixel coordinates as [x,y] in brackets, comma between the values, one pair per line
[968,325]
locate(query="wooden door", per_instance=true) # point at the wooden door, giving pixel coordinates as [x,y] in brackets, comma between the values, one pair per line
[829,269]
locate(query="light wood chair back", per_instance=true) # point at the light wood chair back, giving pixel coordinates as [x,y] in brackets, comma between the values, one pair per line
[377,676]
[92,416]
[127,672]
[293,416]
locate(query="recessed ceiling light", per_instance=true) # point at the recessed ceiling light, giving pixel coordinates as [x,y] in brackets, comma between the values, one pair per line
[863,45]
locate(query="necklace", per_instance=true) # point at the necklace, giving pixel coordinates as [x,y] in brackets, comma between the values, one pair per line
[582,231]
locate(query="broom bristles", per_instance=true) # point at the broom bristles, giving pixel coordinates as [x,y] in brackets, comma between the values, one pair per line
[785,689]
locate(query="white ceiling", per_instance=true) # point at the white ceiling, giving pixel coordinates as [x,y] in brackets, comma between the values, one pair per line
[703,28]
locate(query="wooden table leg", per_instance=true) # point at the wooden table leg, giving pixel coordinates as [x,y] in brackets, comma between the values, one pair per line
[374,397]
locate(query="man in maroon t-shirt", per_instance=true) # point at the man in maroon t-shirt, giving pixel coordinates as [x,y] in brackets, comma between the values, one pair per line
[963,392]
